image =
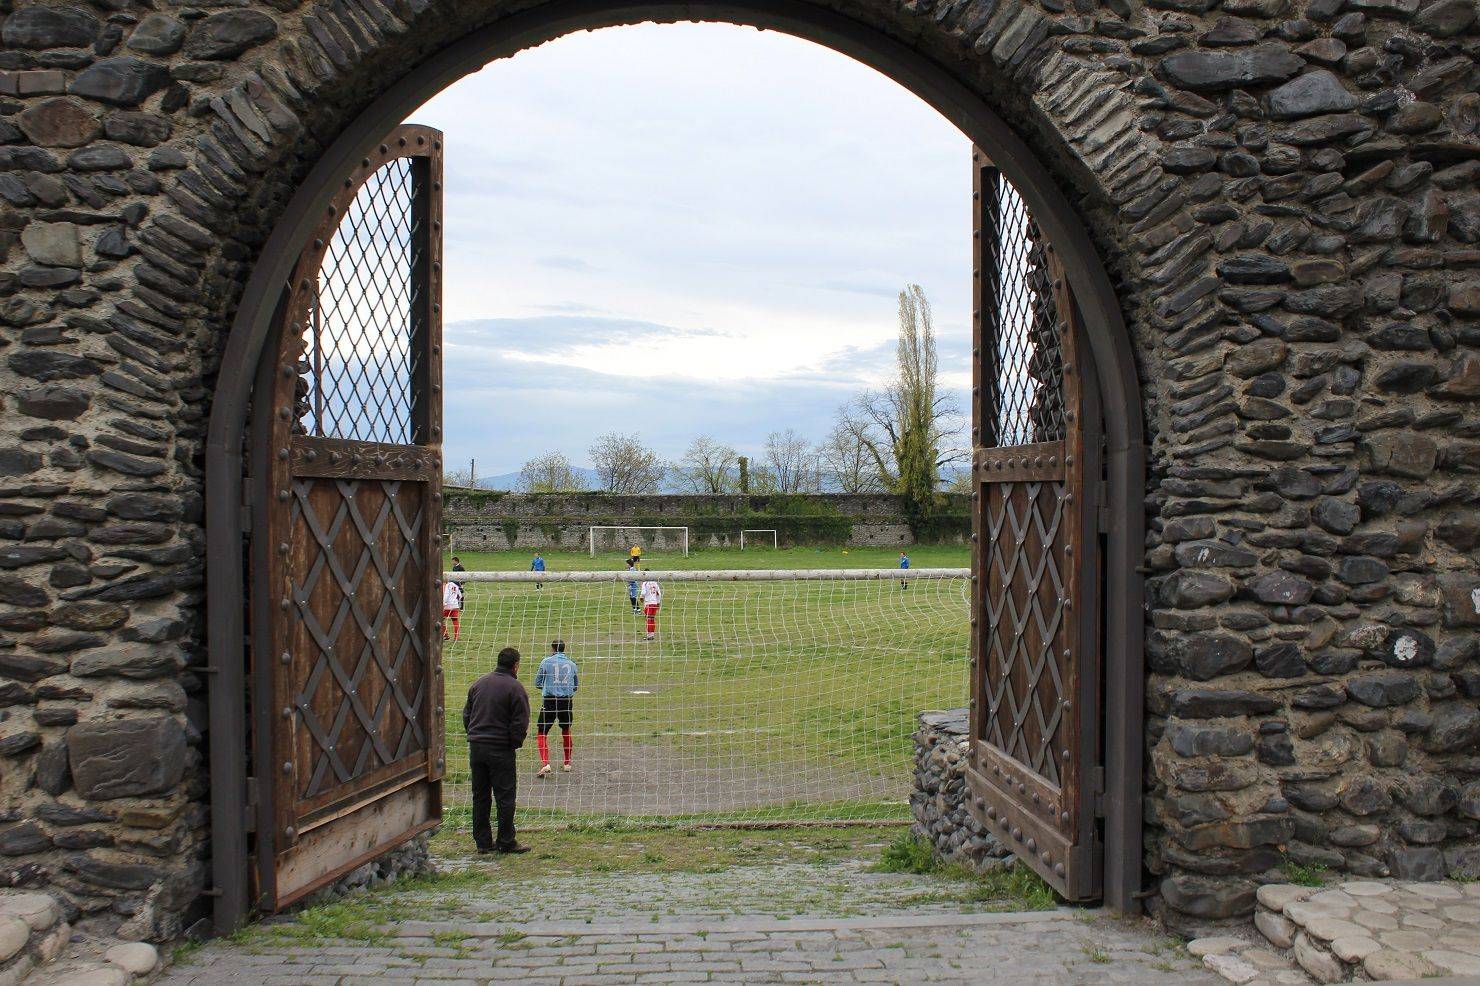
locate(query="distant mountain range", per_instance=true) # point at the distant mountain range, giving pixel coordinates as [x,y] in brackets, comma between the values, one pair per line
[510,480]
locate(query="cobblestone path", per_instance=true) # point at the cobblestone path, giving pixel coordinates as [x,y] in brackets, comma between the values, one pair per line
[827,921]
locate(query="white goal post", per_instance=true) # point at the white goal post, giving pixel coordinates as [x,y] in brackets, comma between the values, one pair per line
[591,534]
[775,542]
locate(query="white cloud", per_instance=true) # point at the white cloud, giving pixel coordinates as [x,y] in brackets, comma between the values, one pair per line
[706,221]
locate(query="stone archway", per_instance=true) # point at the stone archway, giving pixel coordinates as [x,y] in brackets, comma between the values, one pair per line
[1059,220]
[1284,199]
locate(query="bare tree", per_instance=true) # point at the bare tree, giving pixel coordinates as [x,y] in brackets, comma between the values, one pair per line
[912,429]
[708,466]
[846,458]
[961,482]
[791,464]
[458,477]
[763,479]
[548,473]
[624,465]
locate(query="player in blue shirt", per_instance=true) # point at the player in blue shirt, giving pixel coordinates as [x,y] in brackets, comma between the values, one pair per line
[904,562]
[632,584]
[557,679]
[538,565]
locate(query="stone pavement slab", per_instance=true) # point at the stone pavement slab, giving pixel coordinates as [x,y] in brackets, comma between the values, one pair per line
[1068,947]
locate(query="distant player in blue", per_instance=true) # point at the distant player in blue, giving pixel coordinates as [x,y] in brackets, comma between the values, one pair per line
[632,584]
[557,679]
[904,562]
[538,565]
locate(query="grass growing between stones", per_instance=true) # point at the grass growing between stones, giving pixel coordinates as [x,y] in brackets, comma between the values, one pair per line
[1016,888]
[361,917]
[836,871]
[908,853]
[1306,875]
[187,948]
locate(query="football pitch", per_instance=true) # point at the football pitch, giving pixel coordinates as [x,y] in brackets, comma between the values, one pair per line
[758,701]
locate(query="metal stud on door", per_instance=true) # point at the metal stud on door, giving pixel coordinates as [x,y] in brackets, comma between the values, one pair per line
[346,556]
[1033,770]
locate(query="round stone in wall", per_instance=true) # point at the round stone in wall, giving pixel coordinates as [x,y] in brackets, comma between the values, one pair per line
[59,122]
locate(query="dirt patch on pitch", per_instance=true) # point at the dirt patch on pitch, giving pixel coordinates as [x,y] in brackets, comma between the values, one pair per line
[646,779]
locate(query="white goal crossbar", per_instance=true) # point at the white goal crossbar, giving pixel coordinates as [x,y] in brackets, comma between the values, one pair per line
[634,527]
[775,542]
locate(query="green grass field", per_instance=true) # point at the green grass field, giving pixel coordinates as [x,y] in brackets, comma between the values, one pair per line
[759,701]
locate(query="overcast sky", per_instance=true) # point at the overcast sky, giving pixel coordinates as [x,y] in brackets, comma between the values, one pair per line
[686,229]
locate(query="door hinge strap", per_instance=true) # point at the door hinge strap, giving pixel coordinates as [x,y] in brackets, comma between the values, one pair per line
[251,808]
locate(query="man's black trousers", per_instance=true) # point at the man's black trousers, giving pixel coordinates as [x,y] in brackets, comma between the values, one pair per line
[495,781]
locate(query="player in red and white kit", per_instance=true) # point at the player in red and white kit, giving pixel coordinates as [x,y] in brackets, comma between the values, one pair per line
[652,598]
[452,601]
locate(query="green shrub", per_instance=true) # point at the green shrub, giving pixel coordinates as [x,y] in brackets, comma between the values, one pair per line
[908,853]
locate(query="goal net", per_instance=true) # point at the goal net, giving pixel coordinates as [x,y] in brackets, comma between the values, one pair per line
[624,539]
[764,696]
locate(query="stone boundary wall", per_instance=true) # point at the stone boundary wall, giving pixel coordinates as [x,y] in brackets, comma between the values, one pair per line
[939,798]
[492,521]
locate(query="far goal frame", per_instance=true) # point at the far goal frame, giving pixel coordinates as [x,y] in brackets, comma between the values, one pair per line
[591,533]
[775,538]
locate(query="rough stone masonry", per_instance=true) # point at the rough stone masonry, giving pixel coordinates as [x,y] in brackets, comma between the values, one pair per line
[1284,191]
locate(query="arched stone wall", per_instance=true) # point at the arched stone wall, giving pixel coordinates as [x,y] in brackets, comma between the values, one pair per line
[1284,192]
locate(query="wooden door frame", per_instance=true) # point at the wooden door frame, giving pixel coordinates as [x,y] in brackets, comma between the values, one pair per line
[930,80]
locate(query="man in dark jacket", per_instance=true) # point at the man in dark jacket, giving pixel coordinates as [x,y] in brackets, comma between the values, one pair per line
[496,719]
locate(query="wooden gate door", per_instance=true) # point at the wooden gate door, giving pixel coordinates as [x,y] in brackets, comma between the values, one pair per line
[1035,764]
[346,556]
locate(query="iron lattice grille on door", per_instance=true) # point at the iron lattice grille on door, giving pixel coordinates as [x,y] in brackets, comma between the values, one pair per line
[1024,511]
[359,354]
[1025,390]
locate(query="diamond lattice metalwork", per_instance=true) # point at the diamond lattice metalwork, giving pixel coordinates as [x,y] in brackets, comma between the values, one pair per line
[1024,400]
[359,353]
[363,697]
[1025,622]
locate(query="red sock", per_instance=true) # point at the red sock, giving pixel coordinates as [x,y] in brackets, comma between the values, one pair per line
[568,742]
[544,742]
[652,624]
